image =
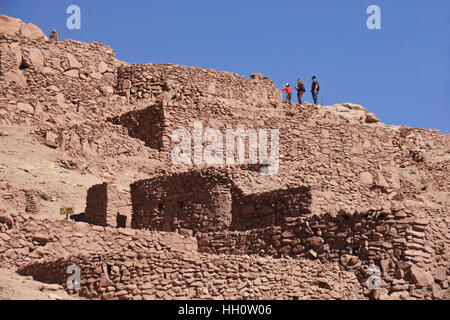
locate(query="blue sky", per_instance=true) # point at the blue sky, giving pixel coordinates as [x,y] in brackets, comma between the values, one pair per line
[401,72]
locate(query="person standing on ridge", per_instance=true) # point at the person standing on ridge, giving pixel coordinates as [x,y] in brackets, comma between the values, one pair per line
[315,88]
[300,90]
[288,90]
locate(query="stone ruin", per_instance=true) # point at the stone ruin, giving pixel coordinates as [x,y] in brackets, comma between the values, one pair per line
[350,192]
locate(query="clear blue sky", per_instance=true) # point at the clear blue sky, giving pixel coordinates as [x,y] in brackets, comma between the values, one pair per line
[401,73]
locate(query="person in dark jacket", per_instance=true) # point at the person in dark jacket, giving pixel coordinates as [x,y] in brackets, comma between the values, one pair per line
[315,88]
[300,90]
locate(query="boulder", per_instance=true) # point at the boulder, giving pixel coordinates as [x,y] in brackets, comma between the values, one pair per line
[9,26]
[32,32]
[6,218]
[354,106]
[316,241]
[96,75]
[420,277]
[15,76]
[366,178]
[25,107]
[440,274]
[51,139]
[371,118]
[71,73]
[41,238]
[34,59]
[102,67]
[73,62]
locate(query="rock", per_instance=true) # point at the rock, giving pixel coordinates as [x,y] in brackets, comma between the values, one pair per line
[35,59]
[25,107]
[366,178]
[9,26]
[51,139]
[41,238]
[354,106]
[316,241]
[73,63]
[186,232]
[53,88]
[48,70]
[371,118]
[60,99]
[126,84]
[15,51]
[127,232]
[285,250]
[54,36]
[15,76]
[96,75]
[32,32]
[288,234]
[5,217]
[422,222]
[399,295]
[339,108]
[105,282]
[440,274]
[312,253]
[102,67]
[379,294]
[72,73]
[420,277]
[50,287]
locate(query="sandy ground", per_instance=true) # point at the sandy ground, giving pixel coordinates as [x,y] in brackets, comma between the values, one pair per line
[27,163]
[16,287]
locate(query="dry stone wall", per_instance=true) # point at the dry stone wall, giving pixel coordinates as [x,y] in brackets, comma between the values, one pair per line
[167,275]
[194,200]
[106,206]
[189,84]
[274,208]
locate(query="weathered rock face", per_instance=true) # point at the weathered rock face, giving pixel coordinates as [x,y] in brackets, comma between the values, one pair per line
[350,191]
[354,113]
[11,27]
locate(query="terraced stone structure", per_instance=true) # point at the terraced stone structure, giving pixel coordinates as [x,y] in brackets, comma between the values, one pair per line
[350,192]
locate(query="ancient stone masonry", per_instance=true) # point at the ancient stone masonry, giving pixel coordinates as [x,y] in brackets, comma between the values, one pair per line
[146,125]
[154,275]
[274,208]
[188,84]
[350,192]
[195,200]
[106,206]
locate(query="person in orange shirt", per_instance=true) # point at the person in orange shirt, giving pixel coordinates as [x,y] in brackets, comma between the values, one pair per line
[288,90]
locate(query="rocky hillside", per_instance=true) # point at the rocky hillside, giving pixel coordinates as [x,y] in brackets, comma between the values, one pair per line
[78,128]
